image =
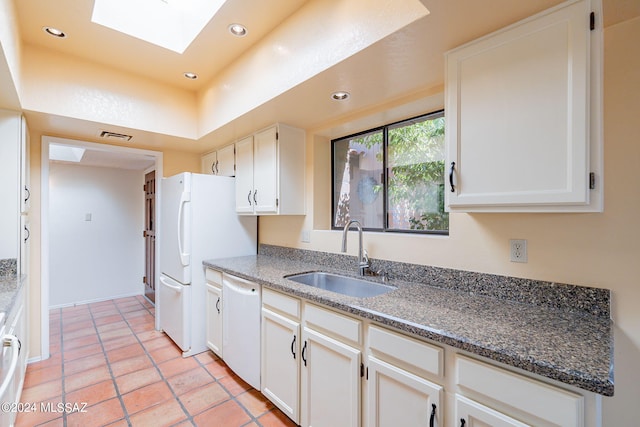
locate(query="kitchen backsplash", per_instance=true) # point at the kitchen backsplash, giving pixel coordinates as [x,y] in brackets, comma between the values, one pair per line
[8,267]
[593,301]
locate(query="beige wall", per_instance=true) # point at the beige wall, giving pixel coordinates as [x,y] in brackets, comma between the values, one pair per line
[97,93]
[599,250]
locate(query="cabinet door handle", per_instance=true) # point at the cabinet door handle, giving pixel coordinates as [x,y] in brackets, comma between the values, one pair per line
[293,343]
[249,197]
[462,422]
[217,171]
[28,194]
[451,171]
[432,418]
[213,166]
[218,305]
[254,197]
[304,348]
[28,234]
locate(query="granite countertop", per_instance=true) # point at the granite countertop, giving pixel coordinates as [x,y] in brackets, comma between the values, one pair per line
[9,288]
[568,346]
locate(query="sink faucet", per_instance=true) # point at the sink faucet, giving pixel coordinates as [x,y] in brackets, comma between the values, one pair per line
[363,258]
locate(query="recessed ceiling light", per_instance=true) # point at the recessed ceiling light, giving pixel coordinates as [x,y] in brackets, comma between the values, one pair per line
[54,32]
[238,30]
[191,76]
[340,96]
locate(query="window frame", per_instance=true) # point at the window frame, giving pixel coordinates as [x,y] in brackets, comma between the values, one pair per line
[385,166]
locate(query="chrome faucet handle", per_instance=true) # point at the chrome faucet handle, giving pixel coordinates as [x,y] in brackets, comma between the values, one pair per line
[365,258]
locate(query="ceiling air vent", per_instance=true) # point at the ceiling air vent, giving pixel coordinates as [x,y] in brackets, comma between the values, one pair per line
[114,135]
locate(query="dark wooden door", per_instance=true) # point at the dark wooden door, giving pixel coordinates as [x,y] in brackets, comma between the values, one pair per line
[150,235]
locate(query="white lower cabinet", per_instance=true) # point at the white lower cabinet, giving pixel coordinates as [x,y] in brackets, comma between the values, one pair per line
[214,311]
[398,392]
[324,368]
[399,398]
[512,397]
[280,362]
[473,414]
[330,381]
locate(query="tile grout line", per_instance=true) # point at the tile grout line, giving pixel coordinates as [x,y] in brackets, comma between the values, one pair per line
[155,365]
[231,396]
[106,357]
[145,306]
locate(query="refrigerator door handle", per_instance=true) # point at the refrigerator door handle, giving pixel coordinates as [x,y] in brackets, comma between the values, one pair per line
[185,197]
[178,289]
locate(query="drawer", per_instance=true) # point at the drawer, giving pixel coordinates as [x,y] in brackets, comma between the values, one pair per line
[490,384]
[279,302]
[213,276]
[413,355]
[333,324]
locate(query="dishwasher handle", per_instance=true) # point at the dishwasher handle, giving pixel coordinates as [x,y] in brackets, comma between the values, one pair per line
[246,288]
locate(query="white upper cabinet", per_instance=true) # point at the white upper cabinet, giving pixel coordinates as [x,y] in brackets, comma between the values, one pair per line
[220,162]
[14,190]
[270,172]
[523,115]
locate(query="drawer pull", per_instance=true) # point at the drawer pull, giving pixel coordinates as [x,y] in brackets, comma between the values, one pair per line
[462,422]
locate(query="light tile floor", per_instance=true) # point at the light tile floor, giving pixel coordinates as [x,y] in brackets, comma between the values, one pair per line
[108,356]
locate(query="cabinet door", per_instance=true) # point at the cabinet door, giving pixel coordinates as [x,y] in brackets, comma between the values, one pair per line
[280,362]
[266,171]
[244,175]
[214,319]
[25,181]
[330,382]
[226,161]
[473,414]
[25,243]
[209,163]
[397,397]
[518,118]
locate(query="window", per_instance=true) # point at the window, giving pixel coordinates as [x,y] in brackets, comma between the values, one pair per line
[392,178]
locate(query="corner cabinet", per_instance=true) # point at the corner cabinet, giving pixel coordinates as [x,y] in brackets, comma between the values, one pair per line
[270,172]
[523,115]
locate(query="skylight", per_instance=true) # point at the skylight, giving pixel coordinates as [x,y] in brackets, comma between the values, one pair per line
[65,153]
[171,24]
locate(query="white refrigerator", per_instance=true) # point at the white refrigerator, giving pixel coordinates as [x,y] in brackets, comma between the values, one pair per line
[198,221]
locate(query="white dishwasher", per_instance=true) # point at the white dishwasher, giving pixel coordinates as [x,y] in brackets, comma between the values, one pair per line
[241,301]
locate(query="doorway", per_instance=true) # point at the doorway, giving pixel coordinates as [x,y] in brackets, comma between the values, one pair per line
[108,153]
[150,236]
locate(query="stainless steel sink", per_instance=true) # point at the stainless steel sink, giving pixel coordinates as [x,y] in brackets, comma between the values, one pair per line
[341,284]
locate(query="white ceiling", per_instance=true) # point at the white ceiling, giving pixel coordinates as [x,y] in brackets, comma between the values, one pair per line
[394,76]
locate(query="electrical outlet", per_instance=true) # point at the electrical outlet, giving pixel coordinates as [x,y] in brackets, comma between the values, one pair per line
[518,250]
